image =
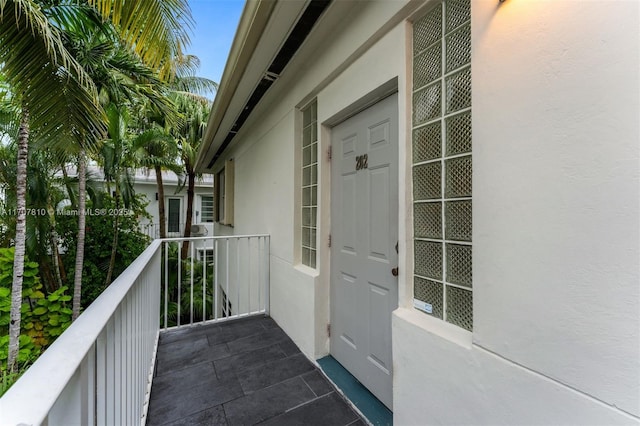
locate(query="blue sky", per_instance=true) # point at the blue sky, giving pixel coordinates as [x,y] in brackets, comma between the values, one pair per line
[216,24]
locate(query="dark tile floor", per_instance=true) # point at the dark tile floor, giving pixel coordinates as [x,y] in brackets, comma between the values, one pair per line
[242,372]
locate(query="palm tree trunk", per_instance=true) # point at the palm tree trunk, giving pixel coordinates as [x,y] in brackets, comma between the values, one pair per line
[187,225]
[114,243]
[21,225]
[82,195]
[54,242]
[161,214]
[55,256]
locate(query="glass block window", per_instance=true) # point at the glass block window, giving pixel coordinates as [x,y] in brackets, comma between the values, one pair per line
[309,184]
[206,205]
[442,163]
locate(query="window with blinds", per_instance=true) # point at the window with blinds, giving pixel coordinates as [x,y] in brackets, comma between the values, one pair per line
[206,204]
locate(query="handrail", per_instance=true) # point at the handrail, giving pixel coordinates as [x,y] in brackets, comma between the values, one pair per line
[28,401]
[99,370]
[217,237]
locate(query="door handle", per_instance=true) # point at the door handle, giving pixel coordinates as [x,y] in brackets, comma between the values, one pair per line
[395,271]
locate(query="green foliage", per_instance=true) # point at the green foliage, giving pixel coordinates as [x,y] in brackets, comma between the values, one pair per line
[48,316]
[44,317]
[46,78]
[99,235]
[27,354]
[8,378]
[184,293]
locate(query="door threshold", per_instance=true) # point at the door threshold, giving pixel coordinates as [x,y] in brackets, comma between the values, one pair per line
[375,411]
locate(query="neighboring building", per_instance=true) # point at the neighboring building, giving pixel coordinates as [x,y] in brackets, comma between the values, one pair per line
[344,130]
[175,198]
[175,208]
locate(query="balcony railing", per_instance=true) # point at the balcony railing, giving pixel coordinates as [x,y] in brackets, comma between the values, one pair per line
[223,278]
[176,229]
[99,370]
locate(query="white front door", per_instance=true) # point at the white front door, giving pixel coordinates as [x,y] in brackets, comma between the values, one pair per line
[364,233]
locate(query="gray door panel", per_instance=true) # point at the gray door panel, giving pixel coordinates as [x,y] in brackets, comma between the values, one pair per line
[364,233]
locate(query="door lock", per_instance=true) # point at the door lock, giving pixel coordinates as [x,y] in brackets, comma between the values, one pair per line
[395,271]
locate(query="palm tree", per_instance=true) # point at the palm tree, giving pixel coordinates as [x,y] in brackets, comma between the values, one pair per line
[189,136]
[156,149]
[119,161]
[57,101]
[188,92]
[121,78]
[43,195]
[82,204]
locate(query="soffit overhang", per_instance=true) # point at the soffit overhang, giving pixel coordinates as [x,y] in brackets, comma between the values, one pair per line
[268,36]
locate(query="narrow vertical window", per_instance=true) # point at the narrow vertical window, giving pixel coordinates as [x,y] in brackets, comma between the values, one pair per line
[223,191]
[174,207]
[442,163]
[221,196]
[309,184]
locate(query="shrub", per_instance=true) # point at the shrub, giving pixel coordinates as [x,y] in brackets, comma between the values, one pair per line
[98,243]
[43,317]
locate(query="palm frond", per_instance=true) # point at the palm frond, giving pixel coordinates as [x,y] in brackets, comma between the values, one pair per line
[184,65]
[156,29]
[9,113]
[195,85]
[74,17]
[51,84]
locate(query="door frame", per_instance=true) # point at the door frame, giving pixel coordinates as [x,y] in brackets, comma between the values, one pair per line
[382,92]
[181,219]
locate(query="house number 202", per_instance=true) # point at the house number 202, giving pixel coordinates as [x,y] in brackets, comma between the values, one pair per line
[362,161]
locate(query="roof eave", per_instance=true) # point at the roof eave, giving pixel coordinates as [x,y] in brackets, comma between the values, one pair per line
[253,21]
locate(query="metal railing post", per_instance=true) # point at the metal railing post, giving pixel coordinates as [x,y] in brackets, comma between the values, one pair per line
[249,275]
[165,247]
[215,279]
[227,310]
[267,296]
[191,281]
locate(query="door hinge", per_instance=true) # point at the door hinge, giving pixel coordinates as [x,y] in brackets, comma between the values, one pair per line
[329,330]
[329,240]
[329,153]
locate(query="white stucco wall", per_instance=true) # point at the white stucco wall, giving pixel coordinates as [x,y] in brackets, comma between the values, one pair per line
[147,185]
[264,188]
[569,280]
[266,176]
[555,219]
[441,380]
[555,228]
